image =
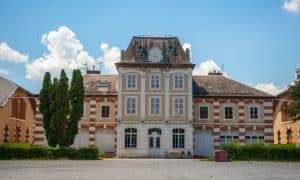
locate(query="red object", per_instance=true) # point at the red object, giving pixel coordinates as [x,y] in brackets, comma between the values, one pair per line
[221,156]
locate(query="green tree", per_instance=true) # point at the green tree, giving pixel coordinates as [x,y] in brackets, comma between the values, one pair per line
[294,94]
[45,100]
[76,101]
[52,137]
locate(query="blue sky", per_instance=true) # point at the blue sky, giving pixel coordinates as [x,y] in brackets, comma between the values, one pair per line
[256,41]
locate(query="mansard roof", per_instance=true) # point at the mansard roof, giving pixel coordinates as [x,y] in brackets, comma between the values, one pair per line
[99,84]
[140,46]
[220,86]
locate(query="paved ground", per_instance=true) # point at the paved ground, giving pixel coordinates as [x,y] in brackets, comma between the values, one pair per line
[144,169]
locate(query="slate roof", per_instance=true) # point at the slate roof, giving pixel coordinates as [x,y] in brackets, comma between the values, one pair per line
[92,84]
[7,89]
[220,86]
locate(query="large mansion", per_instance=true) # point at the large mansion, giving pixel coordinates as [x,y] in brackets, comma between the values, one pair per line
[154,107]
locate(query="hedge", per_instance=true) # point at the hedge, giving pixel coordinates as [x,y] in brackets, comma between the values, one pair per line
[27,151]
[275,152]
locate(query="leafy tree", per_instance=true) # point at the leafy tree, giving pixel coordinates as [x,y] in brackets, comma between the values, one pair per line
[294,94]
[76,101]
[45,100]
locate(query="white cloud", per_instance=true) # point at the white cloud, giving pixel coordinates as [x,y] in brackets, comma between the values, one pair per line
[110,57]
[4,71]
[9,54]
[207,66]
[291,5]
[270,88]
[187,45]
[64,51]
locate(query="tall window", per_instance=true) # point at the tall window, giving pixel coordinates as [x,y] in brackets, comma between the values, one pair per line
[289,137]
[17,134]
[155,105]
[105,111]
[178,138]
[279,136]
[178,106]
[228,112]
[155,81]
[131,81]
[18,109]
[203,112]
[131,105]
[130,138]
[5,133]
[253,112]
[178,81]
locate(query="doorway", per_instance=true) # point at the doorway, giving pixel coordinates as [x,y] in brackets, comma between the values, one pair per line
[154,142]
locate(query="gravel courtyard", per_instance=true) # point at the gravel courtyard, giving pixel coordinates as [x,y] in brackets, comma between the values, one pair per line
[144,169]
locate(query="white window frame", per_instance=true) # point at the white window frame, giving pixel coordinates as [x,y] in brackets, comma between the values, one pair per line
[234,136]
[135,80]
[150,105]
[174,80]
[109,115]
[204,105]
[159,81]
[233,111]
[183,105]
[258,111]
[126,112]
[252,140]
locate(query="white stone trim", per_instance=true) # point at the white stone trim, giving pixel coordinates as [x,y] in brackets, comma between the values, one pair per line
[39,116]
[143,89]
[216,103]
[167,92]
[268,104]
[190,96]
[91,135]
[268,137]
[119,93]
[241,103]
[268,117]
[268,110]
[242,130]
[268,130]
[92,128]
[217,129]
[92,102]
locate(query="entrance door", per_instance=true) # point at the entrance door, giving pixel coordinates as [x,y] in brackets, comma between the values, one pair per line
[154,142]
[204,143]
[105,141]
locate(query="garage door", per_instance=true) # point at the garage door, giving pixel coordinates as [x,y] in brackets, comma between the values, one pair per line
[105,140]
[82,139]
[204,143]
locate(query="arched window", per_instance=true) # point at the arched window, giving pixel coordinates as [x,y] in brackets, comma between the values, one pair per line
[289,137]
[18,134]
[130,105]
[178,138]
[178,104]
[18,108]
[279,137]
[130,138]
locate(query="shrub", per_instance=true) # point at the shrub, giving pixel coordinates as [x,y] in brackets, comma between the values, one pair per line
[27,151]
[263,152]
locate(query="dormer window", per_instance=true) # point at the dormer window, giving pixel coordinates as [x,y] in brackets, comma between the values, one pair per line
[171,49]
[103,84]
[139,48]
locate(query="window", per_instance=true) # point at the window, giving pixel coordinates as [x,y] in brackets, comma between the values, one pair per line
[228,138]
[103,84]
[131,105]
[253,139]
[279,137]
[131,81]
[289,137]
[203,112]
[18,108]
[228,112]
[178,138]
[155,105]
[178,81]
[5,133]
[253,111]
[155,81]
[105,111]
[17,134]
[130,138]
[178,106]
